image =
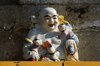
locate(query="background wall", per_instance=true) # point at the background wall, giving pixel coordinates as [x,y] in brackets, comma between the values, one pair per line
[83,15]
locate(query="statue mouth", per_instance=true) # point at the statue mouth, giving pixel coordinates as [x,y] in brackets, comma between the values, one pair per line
[51,25]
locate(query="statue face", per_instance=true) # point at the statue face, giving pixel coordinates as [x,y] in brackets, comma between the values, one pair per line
[49,19]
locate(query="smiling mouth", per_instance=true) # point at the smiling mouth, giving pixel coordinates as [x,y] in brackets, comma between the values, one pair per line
[51,25]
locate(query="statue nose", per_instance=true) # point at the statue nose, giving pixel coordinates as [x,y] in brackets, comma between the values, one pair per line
[51,20]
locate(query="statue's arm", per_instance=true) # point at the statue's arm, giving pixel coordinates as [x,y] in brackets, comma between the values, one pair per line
[28,44]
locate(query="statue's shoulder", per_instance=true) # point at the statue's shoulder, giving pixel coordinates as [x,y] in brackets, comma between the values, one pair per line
[33,32]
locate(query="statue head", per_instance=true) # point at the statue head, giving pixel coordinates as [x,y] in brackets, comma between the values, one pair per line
[49,19]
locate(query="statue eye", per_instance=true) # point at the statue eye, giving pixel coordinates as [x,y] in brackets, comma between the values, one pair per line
[47,18]
[54,18]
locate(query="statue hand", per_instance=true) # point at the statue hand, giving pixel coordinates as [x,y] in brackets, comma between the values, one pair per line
[54,56]
[51,49]
[34,55]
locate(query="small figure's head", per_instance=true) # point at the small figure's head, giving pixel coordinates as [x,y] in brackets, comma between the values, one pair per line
[38,42]
[33,19]
[49,19]
[61,27]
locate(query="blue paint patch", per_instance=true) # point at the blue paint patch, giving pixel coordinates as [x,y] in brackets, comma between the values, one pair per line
[68,24]
[70,49]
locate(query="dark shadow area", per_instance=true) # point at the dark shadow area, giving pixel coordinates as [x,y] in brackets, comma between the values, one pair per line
[8,2]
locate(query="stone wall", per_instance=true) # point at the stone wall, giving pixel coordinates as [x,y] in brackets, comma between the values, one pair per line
[8,2]
[15,24]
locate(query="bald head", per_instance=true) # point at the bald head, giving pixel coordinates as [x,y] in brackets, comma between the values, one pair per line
[49,19]
[48,10]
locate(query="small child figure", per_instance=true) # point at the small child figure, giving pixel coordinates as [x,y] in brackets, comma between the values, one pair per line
[53,54]
[65,31]
[34,55]
[71,47]
[33,51]
[33,21]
